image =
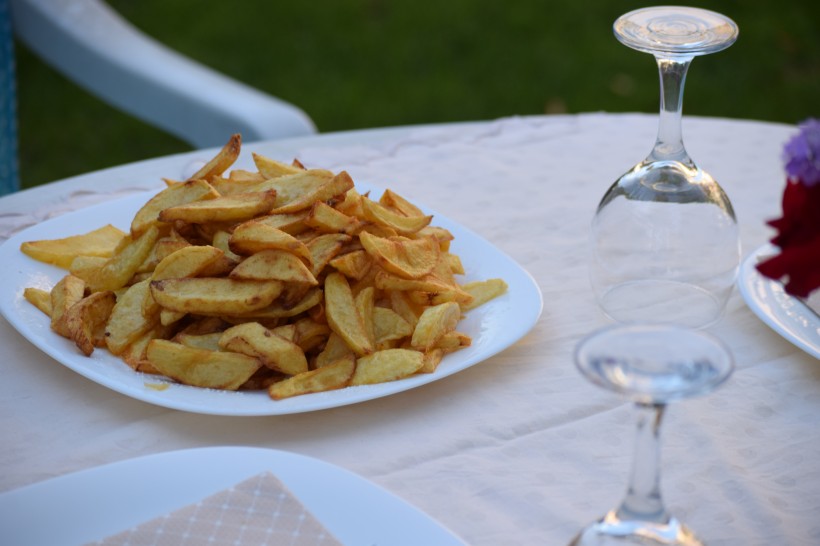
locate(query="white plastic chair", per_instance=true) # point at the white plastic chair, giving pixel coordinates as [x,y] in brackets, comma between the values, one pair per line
[95,47]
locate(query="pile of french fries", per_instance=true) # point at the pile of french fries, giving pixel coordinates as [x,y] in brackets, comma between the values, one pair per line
[285,279]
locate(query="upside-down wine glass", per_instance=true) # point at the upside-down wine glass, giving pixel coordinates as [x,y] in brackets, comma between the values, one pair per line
[665,244]
[652,365]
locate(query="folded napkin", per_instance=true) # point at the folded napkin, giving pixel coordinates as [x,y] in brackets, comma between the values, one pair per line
[257,511]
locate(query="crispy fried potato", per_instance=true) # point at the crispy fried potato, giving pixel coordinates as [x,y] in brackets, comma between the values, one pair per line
[214,296]
[200,367]
[61,252]
[39,298]
[433,323]
[256,236]
[404,225]
[387,365]
[68,291]
[231,208]
[326,219]
[284,278]
[353,265]
[270,168]
[343,316]
[86,320]
[407,258]
[333,376]
[127,321]
[119,269]
[483,291]
[389,325]
[172,196]
[222,160]
[274,265]
[273,351]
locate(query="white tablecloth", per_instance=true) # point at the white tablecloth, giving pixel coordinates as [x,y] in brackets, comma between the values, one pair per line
[519,449]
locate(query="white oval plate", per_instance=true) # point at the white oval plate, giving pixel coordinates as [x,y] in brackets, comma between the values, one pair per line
[786,315]
[93,504]
[493,326]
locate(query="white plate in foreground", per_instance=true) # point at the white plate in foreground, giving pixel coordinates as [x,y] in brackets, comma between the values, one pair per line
[93,504]
[493,326]
[786,315]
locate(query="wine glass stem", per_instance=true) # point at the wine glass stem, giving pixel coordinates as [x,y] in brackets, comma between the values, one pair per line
[643,497]
[669,144]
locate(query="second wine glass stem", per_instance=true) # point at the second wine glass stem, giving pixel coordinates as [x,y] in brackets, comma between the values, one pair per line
[643,499]
[669,144]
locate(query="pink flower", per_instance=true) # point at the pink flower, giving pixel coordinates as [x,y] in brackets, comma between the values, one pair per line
[798,230]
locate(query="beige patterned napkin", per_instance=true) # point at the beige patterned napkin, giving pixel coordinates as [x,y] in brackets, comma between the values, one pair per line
[257,511]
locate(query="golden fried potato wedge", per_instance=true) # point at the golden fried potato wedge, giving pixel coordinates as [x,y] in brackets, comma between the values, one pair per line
[270,168]
[333,376]
[353,265]
[343,316]
[432,359]
[200,367]
[407,258]
[172,196]
[483,291]
[68,291]
[61,252]
[335,349]
[324,248]
[278,310]
[39,298]
[324,218]
[86,320]
[188,261]
[389,325]
[127,321]
[404,225]
[230,208]
[273,351]
[387,365]
[118,270]
[85,266]
[274,265]
[222,161]
[433,323]
[199,341]
[453,341]
[397,203]
[365,303]
[255,236]
[214,295]
[292,223]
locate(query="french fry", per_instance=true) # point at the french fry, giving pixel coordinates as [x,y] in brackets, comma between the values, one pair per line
[86,320]
[273,351]
[231,208]
[68,291]
[213,295]
[387,365]
[333,376]
[343,316]
[61,252]
[172,196]
[201,367]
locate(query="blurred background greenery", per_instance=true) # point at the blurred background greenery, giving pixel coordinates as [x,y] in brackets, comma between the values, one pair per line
[354,64]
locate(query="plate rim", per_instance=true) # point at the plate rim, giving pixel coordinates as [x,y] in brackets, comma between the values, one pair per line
[524,284]
[750,279]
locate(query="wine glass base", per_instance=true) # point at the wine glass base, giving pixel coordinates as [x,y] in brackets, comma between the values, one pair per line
[662,302]
[612,531]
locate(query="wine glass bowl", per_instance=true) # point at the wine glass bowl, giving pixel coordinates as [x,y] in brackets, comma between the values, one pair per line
[651,365]
[664,241]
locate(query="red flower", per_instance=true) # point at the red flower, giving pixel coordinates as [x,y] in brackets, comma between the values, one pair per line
[798,238]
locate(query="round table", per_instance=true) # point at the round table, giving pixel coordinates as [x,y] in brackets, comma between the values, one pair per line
[518,449]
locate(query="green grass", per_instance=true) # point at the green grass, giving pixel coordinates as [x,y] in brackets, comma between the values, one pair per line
[369,63]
